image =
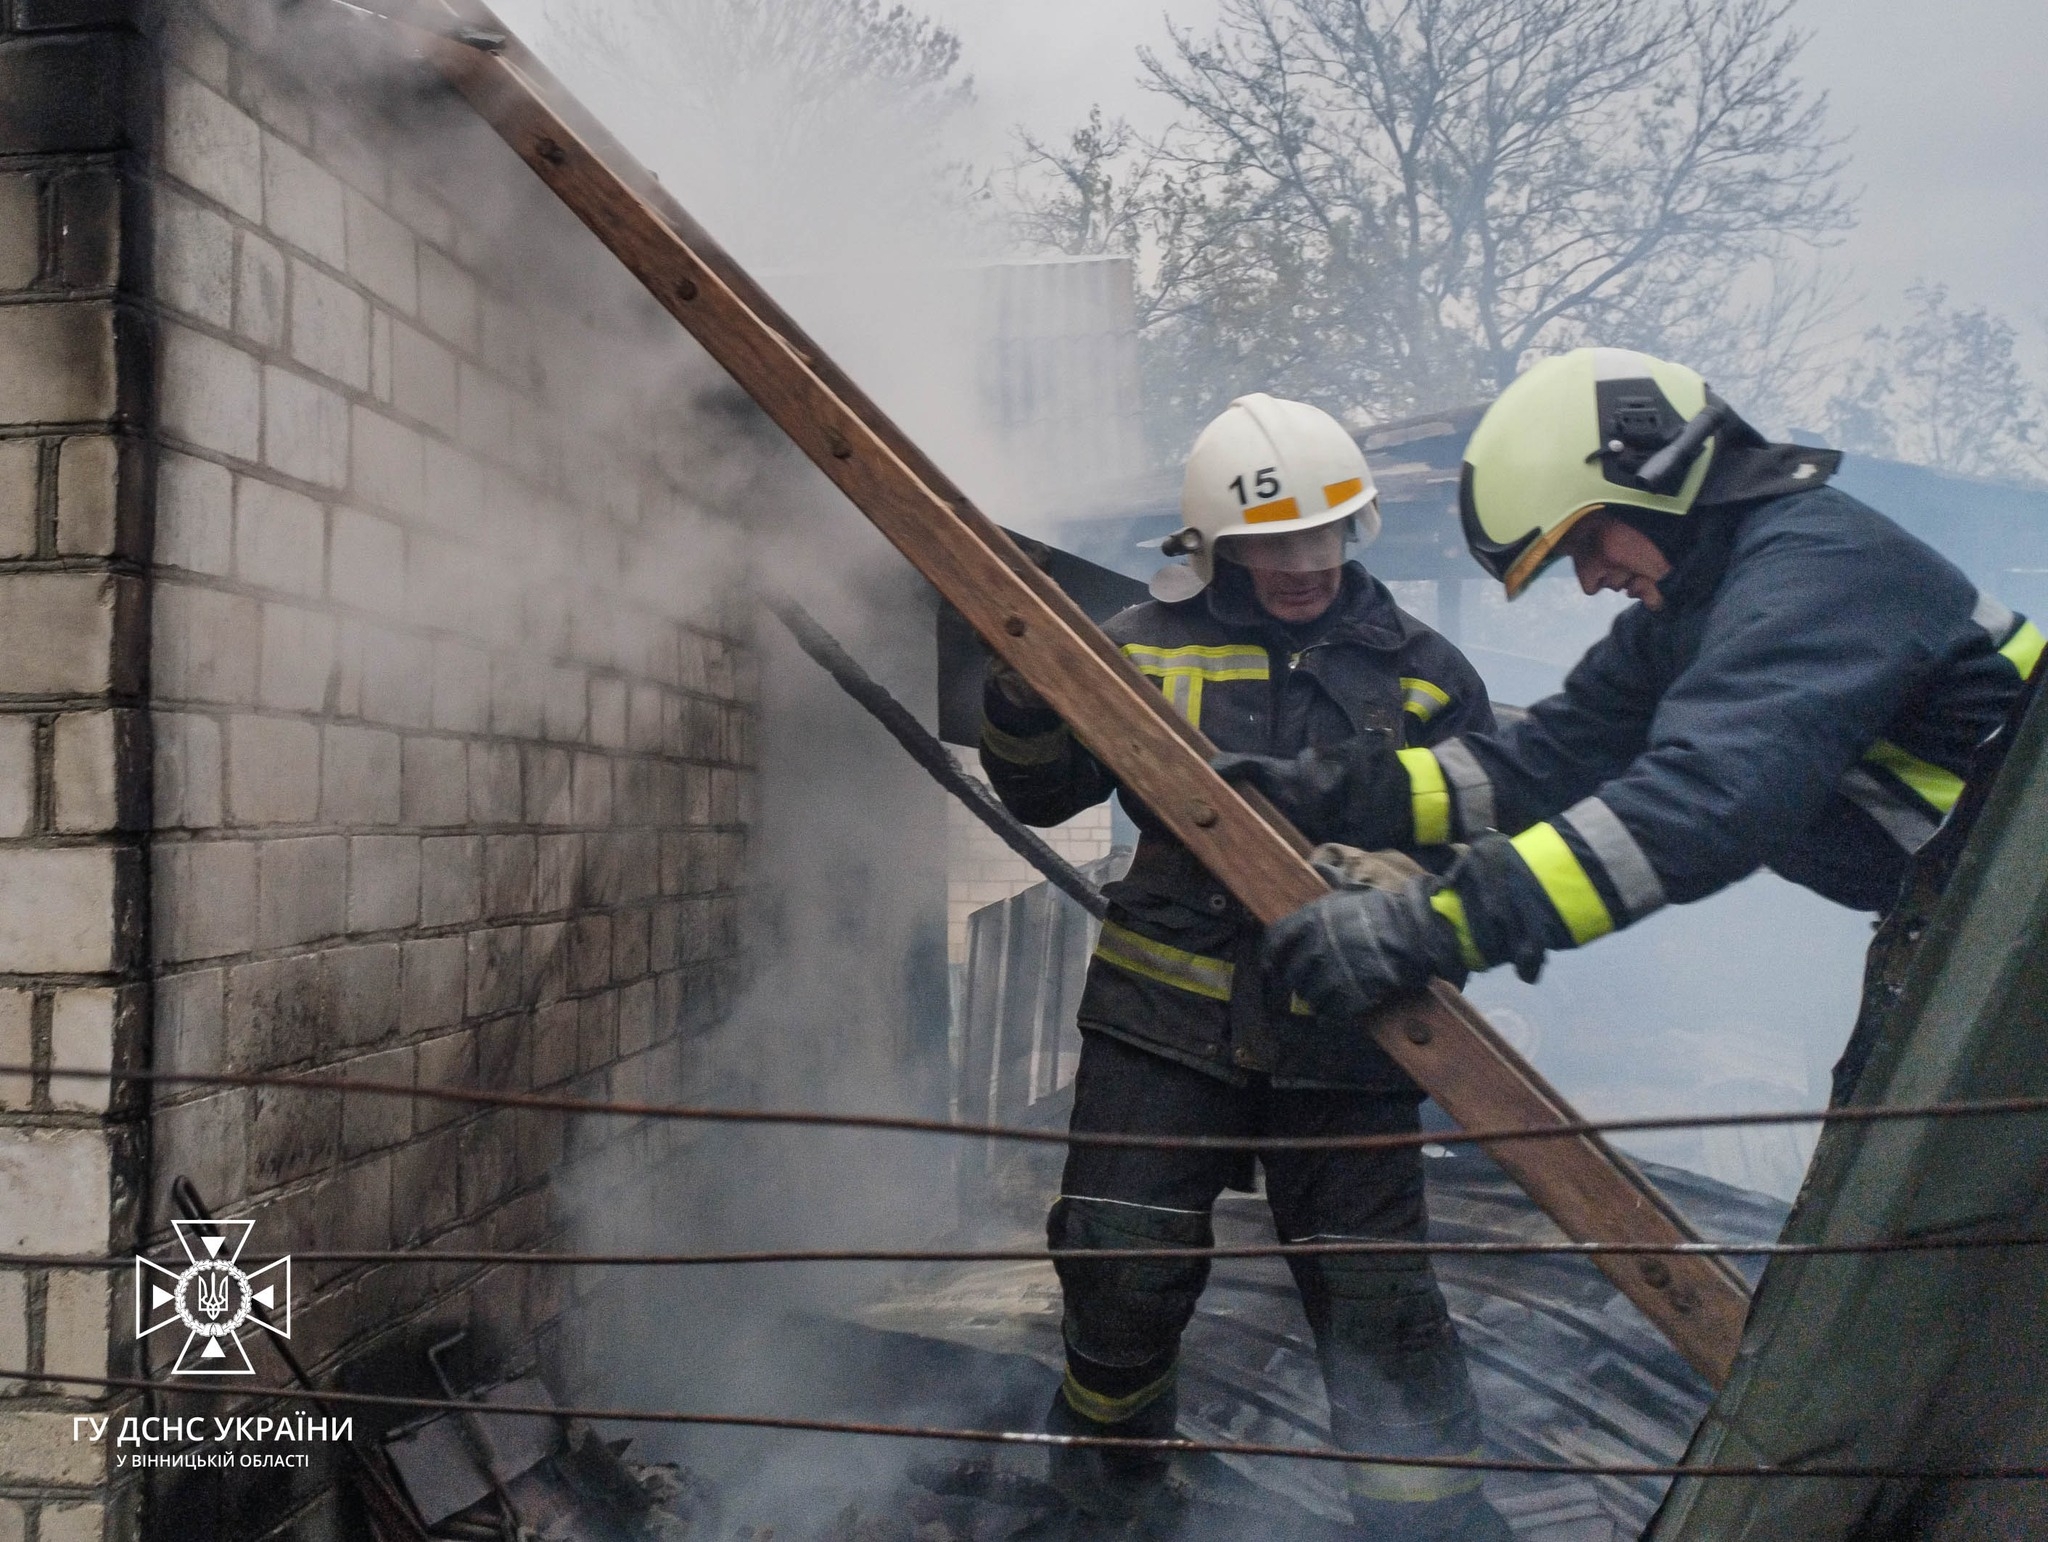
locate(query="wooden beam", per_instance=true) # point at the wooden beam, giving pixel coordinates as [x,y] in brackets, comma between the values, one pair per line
[1592,1192]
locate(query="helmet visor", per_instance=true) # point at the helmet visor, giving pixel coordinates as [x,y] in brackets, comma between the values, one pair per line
[1288,551]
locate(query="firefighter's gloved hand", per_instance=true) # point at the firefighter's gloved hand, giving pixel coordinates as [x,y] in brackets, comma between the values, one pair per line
[1352,951]
[1356,792]
[1008,681]
[1346,867]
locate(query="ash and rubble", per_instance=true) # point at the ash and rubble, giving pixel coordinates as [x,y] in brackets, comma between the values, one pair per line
[1565,1369]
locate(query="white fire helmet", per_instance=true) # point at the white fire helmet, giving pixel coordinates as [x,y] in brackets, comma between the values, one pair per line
[1281,483]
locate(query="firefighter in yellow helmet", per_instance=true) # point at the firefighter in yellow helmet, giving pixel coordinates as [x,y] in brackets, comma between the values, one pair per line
[1802,686]
[1269,642]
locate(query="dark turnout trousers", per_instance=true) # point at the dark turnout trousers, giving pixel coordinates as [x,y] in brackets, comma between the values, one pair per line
[1391,1360]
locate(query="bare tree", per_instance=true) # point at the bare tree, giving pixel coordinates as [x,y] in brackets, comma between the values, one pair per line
[1946,389]
[1768,339]
[1386,204]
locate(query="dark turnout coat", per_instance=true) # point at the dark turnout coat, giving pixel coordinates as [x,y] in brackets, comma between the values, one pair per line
[1807,700]
[1175,971]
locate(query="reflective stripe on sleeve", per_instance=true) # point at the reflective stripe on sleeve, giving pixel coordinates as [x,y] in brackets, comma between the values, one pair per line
[1993,614]
[1125,949]
[2023,649]
[1430,796]
[1423,698]
[1025,750]
[1472,786]
[2018,640]
[1906,822]
[1635,882]
[1937,788]
[1449,904]
[1565,882]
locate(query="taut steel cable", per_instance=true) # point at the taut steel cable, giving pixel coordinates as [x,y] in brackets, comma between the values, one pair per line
[903,1123]
[1986,1473]
[1371,1247]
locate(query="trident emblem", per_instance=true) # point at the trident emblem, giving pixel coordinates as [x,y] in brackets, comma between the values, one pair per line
[213,1297]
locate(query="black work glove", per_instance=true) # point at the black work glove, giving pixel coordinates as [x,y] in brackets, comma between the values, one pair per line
[1009,702]
[1008,679]
[1356,792]
[1352,951]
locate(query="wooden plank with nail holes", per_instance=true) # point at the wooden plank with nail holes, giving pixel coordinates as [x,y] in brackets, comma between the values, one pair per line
[1591,1192]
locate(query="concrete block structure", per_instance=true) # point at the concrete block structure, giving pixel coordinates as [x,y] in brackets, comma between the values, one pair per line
[347,724]
[981,870]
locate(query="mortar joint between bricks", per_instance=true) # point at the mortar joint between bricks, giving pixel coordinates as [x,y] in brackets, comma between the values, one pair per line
[38,428]
[36,1304]
[46,498]
[113,567]
[50,248]
[43,752]
[42,1010]
[57,296]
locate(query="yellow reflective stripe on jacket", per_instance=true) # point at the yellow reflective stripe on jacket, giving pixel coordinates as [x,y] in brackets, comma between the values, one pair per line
[2023,649]
[1141,956]
[1937,788]
[1103,1409]
[1431,796]
[1570,890]
[1414,1485]
[1036,750]
[1183,672]
[1213,978]
[1422,697]
[1450,904]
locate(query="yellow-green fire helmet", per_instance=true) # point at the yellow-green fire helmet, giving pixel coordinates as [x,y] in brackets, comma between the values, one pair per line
[1593,428]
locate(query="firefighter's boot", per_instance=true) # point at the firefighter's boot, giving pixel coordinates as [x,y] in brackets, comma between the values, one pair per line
[1123,1488]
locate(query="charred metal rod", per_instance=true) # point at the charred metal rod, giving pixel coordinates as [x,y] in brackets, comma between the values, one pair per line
[936,759]
[1987,1473]
[1096,1255]
[553,1103]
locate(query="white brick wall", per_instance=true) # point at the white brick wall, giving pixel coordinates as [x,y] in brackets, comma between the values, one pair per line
[981,870]
[444,786]
[426,769]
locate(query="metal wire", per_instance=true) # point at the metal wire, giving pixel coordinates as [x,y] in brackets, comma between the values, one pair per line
[1367,1248]
[1984,1474]
[552,1103]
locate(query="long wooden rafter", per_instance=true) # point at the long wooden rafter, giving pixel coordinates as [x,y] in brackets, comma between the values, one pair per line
[1591,1191]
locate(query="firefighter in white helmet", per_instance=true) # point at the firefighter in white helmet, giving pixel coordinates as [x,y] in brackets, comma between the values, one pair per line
[1272,644]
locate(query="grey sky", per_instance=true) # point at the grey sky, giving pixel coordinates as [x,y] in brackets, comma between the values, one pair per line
[1946,106]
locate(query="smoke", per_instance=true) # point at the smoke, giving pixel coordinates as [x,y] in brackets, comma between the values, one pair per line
[831,163]
[518,542]
[814,141]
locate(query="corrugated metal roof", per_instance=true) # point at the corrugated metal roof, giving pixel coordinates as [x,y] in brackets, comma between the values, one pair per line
[1929,1359]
